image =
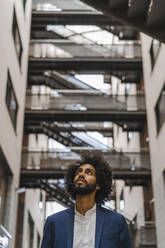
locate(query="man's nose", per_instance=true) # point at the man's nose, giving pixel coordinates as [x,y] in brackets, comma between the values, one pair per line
[81,174]
[81,177]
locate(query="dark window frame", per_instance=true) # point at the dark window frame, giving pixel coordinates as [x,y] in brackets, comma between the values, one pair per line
[163,173]
[160,121]
[3,187]
[128,137]
[10,96]
[122,200]
[153,53]
[24,4]
[31,230]
[17,38]
[5,178]
[38,240]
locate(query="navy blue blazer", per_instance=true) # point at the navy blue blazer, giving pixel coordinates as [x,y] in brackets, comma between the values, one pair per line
[111,230]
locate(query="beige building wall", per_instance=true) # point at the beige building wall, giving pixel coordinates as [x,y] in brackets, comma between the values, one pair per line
[10,138]
[133,196]
[35,207]
[35,199]
[121,142]
[133,202]
[154,82]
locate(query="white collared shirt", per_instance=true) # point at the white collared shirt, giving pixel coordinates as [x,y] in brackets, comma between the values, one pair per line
[84,229]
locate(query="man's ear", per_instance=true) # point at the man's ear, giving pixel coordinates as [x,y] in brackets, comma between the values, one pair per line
[97,187]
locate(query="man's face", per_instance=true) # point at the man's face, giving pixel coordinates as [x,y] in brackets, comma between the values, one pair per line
[85,180]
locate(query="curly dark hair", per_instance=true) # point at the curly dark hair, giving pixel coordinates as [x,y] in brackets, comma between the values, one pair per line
[103,176]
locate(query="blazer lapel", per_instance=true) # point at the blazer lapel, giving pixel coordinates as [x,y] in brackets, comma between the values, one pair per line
[99,226]
[69,226]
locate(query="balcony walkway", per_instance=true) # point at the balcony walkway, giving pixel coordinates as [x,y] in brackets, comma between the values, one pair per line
[85,107]
[53,164]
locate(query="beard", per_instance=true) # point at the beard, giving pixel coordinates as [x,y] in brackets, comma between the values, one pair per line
[88,189]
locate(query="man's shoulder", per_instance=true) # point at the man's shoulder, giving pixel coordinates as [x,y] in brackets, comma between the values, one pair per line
[60,214]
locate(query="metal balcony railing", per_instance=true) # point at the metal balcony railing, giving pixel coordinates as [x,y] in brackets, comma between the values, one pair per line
[56,159]
[65,49]
[50,5]
[85,102]
[146,236]
[72,127]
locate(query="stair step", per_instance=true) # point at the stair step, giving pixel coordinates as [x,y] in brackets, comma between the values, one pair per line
[156,16]
[138,8]
[118,4]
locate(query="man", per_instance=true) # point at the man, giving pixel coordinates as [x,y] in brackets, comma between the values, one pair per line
[87,225]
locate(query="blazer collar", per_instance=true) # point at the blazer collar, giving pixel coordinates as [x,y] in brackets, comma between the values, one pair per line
[99,225]
[70,226]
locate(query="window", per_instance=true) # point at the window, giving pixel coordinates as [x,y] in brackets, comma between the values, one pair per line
[11,101]
[3,191]
[160,109]
[4,182]
[30,231]
[107,79]
[20,219]
[38,240]
[17,38]
[129,136]
[154,50]
[122,203]
[40,204]
[127,89]
[24,4]
[164,178]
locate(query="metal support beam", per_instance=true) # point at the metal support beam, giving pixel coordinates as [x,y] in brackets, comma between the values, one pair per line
[43,18]
[114,116]
[57,174]
[84,65]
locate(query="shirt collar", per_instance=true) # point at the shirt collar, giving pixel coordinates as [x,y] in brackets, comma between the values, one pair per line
[88,213]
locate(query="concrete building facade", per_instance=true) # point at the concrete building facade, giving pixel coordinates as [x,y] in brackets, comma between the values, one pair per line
[154,77]
[14,49]
[15,29]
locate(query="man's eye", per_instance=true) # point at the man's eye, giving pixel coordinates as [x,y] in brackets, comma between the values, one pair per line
[89,172]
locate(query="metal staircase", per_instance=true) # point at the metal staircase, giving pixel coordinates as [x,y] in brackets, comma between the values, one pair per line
[145,16]
[40,20]
[55,80]
[53,191]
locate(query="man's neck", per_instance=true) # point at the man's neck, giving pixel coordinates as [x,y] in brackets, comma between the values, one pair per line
[84,203]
